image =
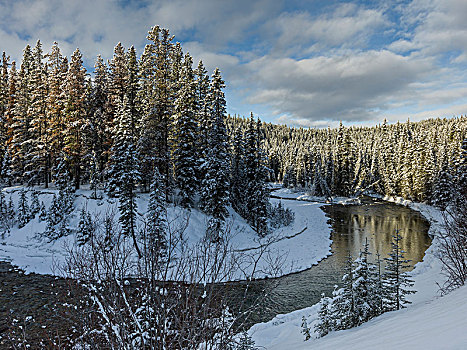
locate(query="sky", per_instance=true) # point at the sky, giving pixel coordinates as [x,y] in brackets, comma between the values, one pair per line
[309,63]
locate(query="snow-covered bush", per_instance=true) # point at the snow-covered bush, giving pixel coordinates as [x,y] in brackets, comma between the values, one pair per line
[280,216]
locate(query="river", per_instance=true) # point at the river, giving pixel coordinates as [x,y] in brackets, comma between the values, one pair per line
[373,220]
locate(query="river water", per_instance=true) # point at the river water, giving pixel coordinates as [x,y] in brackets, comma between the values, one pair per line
[373,220]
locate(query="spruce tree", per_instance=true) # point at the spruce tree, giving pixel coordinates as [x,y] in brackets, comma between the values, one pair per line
[24,214]
[183,138]
[86,227]
[155,99]
[215,185]
[56,79]
[75,114]
[396,282]
[35,206]
[325,323]
[126,171]
[238,180]
[343,305]
[156,224]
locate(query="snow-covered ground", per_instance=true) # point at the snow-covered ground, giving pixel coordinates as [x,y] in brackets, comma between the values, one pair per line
[299,246]
[430,322]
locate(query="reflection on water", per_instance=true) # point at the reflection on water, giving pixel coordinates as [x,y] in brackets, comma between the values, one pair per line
[351,225]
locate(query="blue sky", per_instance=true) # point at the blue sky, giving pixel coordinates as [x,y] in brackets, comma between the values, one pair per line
[304,63]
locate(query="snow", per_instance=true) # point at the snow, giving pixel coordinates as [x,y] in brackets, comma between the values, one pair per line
[430,322]
[298,246]
[287,193]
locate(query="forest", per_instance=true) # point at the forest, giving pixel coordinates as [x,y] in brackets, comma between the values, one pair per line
[157,124]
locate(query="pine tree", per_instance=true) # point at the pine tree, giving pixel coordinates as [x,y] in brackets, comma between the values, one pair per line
[4,220]
[156,104]
[203,111]
[19,119]
[35,206]
[343,305]
[3,108]
[366,288]
[442,187]
[98,129]
[183,138]
[396,282]
[126,171]
[86,227]
[42,212]
[215,185]
[156,243]
[325,323]
[75,114]
[56,78]
[24,214]
[305,329]
[37,156]
[246,343]
[238,181]
[256,176]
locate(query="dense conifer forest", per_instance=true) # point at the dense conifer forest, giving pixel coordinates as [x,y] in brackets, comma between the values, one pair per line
[112,128]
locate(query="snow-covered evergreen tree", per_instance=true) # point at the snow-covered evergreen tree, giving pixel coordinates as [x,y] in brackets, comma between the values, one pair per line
[86,227]
[343,305]
[35,206]
[58,214]
[325,322]
[396,282]
[245,342]
[156,224]
[215,184]
[183,137]
[365,286]
[42,212]
[126,170]
[24,214]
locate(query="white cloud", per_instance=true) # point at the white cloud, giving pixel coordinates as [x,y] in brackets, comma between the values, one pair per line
[338,87]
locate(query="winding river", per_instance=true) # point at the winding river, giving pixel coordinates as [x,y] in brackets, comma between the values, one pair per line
[373,220]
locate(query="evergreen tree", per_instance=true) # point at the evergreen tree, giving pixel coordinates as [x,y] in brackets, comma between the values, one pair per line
[126,171]
[238,181]
[325,323]
[343,305]
[215,185]
[183,138]
[24,214]
[156,225]
[35,206]
[366,291]
[75,115]
[246,343]
[396,282]
[36,158]
[305,329]
[86,227]
[56,78]
[155,99]
[256,176]
[42,212]
[98,136]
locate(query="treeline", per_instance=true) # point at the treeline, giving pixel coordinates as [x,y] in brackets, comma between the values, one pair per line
[136,118]
[416,160]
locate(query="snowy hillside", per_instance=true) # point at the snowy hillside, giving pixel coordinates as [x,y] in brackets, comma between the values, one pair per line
[299,246]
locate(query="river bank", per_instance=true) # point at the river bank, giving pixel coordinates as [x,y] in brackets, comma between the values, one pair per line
[284,331]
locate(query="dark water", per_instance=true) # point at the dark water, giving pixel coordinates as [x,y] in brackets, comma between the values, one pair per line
[351,225]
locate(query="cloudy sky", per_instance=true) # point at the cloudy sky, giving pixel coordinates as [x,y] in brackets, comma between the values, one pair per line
[304,63]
